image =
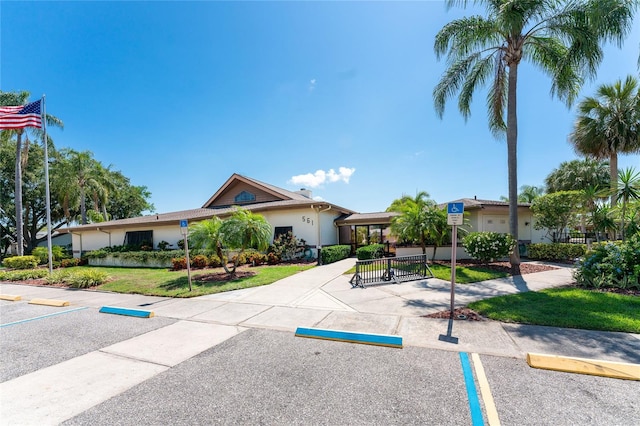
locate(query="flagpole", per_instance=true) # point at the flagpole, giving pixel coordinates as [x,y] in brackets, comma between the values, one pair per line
[46,183]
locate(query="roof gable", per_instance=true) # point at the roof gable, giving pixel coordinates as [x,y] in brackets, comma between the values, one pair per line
[241,191]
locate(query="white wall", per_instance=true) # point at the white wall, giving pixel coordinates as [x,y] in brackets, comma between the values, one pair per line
[442,253]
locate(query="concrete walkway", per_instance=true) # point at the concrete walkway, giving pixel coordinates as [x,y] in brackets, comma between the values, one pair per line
[322,297]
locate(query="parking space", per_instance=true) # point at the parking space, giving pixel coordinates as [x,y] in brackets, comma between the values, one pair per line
[35,336]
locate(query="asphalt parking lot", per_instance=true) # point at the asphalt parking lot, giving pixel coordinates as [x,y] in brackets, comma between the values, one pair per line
[262,376]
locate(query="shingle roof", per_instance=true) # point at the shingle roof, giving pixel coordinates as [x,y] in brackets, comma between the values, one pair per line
[474,203]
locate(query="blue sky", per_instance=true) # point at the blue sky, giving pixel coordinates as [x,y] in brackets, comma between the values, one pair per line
[335,97]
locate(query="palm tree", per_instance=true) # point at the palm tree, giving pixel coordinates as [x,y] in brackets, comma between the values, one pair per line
[84,174]
[562,38]
[628,189]
[528,193]
[608,124]
[243,230]
[577,175]
[22,152]
[413,223]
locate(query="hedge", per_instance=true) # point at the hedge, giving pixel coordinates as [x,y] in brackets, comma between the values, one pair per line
[20,262]
[332,254]
[372,251]
[556,251]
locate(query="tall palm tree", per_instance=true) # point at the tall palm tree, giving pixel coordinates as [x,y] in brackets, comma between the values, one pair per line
[628,190]
[562,38]
[608,124]
[22,152]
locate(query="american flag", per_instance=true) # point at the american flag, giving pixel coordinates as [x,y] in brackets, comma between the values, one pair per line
[19,117]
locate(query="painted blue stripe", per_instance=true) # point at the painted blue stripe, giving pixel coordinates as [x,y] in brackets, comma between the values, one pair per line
[472,393]
[374,339]
[41,317]
[125,311]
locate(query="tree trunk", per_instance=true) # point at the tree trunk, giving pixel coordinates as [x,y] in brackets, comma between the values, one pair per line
[83,206]
[613,173]
[512,163]
[18,194]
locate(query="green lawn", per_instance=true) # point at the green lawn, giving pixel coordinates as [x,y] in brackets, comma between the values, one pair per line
[464,275]
[162,282]
[566,307]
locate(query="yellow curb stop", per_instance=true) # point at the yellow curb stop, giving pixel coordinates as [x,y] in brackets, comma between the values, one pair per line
[10,297]
[49,302]
[616,370]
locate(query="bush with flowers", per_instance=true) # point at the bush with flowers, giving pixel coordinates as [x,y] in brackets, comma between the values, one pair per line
[611,264]
[488,246]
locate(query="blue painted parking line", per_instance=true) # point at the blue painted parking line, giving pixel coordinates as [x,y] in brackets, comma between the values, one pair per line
[472,393]
[125,311]
[351,337]
[41,317]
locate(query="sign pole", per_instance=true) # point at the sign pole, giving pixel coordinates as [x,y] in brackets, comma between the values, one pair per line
[454,243]
[184,230]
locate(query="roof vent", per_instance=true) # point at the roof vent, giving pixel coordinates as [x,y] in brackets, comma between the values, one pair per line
[304,192]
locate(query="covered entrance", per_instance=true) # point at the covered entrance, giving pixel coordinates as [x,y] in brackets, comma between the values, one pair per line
[359,230]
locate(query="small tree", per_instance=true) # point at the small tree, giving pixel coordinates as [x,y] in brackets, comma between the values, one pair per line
[556,211]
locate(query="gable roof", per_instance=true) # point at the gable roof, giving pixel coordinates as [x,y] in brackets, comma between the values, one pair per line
[274,191]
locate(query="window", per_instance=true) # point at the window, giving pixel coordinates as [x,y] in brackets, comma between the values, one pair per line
[244,197]
[138,238]
[282,230]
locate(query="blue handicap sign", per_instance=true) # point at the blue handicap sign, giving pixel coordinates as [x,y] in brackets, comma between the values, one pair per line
[455,208]
[183,224]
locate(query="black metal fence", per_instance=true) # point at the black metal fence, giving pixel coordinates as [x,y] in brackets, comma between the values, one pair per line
[574,237]
[391,269]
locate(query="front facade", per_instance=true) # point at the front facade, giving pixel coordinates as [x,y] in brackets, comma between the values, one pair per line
[318,223]
[306,218]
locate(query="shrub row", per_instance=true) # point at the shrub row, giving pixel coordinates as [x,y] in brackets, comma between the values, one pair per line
[556,251]
[335,253]
[372,251]
[136,256]
[21,275]
[78,278]
[251,257]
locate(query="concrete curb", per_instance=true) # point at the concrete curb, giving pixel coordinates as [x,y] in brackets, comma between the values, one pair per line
[616,370]
[125,311]
[10,297]
[351,337]
[49,302]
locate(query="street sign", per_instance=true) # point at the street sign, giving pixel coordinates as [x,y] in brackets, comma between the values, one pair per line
[184,227]
[455,213]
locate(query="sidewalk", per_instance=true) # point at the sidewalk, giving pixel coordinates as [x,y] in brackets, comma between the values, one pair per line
[322,297]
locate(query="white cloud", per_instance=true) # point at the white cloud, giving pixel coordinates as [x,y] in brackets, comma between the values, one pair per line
[312,85]
[314,180]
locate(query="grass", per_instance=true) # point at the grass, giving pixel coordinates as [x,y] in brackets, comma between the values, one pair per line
[464,275]
[568,307]
[162,282]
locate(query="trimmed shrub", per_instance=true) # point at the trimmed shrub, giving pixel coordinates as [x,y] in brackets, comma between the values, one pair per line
[20,262]
[556,251]
[255,258]
[488,246]
[199,261]
[611,264]
[68,263]
[78,278]
[178,263]
[335,253]
[372,251]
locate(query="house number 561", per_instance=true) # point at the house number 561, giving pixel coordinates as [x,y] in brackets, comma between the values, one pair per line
[306,219]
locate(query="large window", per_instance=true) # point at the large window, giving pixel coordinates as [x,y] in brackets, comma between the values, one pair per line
[244,197]
[138,238]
